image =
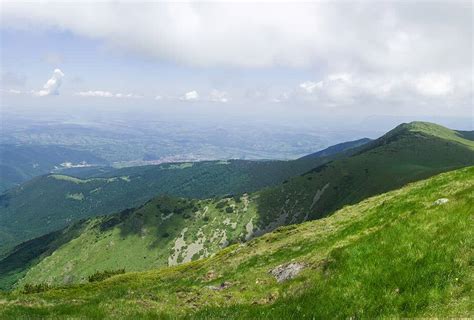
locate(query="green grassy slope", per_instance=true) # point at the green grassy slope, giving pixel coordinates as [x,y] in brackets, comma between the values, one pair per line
[50,202]
[19,163]
[408,153]
[401,156]
[165,231]
[397,254]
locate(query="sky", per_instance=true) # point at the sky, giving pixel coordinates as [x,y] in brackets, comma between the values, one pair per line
[283,60]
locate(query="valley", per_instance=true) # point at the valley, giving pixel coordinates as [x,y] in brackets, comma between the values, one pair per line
[236,160]
[390,255]
[168,230]
[102,191]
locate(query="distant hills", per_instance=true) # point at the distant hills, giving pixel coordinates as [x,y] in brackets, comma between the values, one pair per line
[337,148]
[50,202]
[19,163]
[169,230]
[403,254]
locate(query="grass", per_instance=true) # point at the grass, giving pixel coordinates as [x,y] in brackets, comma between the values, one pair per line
[167,230]
[164,231]
[46,203]
[393,255]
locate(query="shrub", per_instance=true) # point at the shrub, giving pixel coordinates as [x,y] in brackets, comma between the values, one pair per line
[102,275]
[229,210]
[221,204]
[36,288]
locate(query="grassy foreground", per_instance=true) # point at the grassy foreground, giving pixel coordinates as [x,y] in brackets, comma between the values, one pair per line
[396,254]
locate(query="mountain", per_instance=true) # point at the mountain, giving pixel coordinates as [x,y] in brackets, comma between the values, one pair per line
[50,202]
[405,154]
[337,148]
[19,163]
[406,253]
[168,230]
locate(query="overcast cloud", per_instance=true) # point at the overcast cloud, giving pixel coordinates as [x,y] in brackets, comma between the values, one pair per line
[345,35]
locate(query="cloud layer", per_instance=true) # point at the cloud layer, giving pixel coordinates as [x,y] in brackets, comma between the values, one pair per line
[351,35]
[352,89]
[106,94]
[372,56]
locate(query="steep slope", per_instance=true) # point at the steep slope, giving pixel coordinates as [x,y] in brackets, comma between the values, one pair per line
[165,231]
[400,254]
[408,153]
[401,156]
[50,202]
[19,163]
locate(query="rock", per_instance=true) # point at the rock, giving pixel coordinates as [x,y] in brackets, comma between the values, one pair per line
[224,285]
[441,201]
[287,271]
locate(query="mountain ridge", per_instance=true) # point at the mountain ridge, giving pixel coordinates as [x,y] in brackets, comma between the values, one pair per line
[200,227]
[31,204]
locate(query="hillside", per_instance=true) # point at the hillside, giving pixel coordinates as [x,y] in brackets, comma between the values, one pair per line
[168,230]
[405,253]
[19,163]
[50,202]
[337,148]
[408,153]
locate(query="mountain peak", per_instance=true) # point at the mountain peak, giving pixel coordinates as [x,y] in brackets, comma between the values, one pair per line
[429,129]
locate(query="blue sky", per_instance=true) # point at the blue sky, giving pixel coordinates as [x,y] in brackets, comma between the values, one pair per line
[322,59]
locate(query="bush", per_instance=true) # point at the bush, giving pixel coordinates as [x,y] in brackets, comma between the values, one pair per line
[36,288]
[229,210]
[221,204]
[102,275]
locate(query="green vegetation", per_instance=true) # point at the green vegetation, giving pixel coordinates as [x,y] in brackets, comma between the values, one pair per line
[102,275]
[19,163]
[169,231]
[50,202]
[165,231]
[36,288]
[398,254]
[408,153]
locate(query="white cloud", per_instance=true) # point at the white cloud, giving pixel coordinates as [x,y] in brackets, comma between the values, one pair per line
[356,35]
[218,96]
[158,97]
[433,84]
[190,96]
[106,94]
[97,93]
[13,91]
[389,54]
[51,87]
[351,89]
[310,86]
[127,95]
